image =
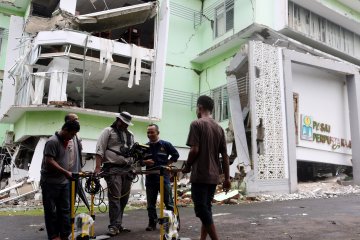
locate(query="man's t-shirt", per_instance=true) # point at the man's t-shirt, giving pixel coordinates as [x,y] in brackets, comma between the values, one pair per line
[64,153]
[210,138]
[109,146]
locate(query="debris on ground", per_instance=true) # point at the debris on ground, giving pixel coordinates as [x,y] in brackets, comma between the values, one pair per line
[326,188]
[227,196]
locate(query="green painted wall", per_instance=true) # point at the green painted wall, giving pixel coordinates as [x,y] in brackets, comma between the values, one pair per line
[244,16]
[183,41]
[177,117]
[46,123]
[214,76]
[3,129]
[264,12]
[180,72]
[183,45]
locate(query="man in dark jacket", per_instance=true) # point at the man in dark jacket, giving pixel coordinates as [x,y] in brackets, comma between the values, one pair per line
[159,153]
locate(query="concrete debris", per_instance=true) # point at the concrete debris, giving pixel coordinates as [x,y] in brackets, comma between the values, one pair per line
[313,190]
[59,20]
[226,196]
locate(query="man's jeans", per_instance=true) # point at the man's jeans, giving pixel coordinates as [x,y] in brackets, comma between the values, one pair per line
[151,195]
[56,201]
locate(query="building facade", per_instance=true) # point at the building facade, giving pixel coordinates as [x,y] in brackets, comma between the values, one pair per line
[284,76]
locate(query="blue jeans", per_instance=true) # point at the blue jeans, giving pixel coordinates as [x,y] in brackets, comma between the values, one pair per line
[152,191]
[56,201]
[202,195]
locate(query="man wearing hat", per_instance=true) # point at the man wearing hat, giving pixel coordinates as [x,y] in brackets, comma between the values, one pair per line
[111,152]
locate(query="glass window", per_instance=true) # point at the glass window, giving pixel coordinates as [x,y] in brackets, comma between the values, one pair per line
[224,17]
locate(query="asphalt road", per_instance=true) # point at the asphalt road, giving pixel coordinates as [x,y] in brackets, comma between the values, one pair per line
[320,219]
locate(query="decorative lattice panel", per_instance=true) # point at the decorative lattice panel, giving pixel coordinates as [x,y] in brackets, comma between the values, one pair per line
[270,153]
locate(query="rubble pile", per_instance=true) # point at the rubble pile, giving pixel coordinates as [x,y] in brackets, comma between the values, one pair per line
[137,200]
[184,192]
[326,189]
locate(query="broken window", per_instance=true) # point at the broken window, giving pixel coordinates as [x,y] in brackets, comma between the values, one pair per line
[224,17]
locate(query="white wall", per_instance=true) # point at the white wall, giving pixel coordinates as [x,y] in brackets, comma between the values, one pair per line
[322,95]
[12,54]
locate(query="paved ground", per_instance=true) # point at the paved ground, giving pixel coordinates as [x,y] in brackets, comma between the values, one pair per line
[323,219]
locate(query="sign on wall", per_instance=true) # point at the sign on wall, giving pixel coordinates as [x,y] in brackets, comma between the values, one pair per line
[319,132]
[306,128]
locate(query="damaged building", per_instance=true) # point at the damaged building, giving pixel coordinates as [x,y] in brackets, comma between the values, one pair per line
[91,58]
[284,76]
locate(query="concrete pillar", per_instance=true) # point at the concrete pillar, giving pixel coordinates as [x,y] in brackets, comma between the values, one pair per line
[35,167]
[290,126]
[238,124]
[353,87]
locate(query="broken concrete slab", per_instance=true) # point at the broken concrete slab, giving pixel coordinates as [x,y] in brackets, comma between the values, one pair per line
[226,195]
[117,18]
[61,20]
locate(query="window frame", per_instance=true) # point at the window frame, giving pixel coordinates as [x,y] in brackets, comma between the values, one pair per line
[221,104]
[2,30]
[225,8]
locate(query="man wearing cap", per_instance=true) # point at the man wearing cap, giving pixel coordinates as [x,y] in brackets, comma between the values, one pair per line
[111,152]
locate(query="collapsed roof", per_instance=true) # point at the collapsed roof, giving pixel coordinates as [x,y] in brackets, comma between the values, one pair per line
[46,15]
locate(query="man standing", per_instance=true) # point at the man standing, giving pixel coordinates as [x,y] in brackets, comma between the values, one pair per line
[206,140]
[159,153]
[77,164]
[55,184]
[111,151]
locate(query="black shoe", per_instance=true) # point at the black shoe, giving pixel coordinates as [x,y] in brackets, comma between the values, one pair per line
[151,226]
[123,229]
[113,231]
